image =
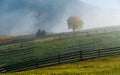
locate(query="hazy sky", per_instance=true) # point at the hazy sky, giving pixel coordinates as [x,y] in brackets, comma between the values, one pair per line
[107,13]
[18,17]
[109,4]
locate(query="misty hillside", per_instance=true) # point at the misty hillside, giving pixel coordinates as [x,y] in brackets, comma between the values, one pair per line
[109,28]
[20,17]
[95,43]
[31,15]
[5,40]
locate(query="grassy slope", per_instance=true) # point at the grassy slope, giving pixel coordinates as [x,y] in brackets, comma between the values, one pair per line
[5,40]
[52,48]
[47,49]
[102,66]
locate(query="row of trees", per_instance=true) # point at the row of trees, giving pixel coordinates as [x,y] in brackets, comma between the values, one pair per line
[40,33]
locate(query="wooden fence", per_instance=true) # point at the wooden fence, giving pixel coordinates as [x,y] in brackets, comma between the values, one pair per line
[7,53]
[78,55]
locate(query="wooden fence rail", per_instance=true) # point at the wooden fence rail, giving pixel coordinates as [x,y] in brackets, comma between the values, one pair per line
[7,53]
[61,58]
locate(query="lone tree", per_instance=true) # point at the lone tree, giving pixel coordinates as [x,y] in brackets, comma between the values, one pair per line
[74,23]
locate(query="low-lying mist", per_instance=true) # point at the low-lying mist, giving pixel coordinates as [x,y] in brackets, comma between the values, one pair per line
[20,17]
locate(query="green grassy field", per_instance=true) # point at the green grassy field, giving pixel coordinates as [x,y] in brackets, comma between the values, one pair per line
[46,48]
[101,66]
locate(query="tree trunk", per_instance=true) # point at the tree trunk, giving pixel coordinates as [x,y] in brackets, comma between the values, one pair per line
[74,33]
[73,30]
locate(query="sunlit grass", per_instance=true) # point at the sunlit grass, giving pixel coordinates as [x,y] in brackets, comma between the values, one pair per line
[6,37]
[102,66]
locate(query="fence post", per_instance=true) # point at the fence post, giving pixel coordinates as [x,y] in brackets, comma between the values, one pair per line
[95,42]
[81,55]
[37,63]
[54,37]
[60,36]
[59,58]
[87,33]
[96,32]
[99,53]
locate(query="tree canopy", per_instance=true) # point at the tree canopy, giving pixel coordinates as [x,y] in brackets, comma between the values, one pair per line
[74,23]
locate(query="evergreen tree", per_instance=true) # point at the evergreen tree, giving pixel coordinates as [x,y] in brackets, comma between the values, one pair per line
[38,34]
[43,33]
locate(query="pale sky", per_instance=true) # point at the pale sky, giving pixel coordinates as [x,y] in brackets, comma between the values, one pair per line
[20,17]
[109,4]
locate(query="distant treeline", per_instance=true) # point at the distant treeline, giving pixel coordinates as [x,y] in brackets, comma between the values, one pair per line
[43,34]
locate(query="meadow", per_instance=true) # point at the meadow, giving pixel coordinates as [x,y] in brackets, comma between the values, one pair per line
[47,47]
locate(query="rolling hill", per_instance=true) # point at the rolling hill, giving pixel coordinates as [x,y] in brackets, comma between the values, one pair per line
[60,44]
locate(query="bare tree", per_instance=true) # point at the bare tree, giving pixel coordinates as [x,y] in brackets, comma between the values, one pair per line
[74,23]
